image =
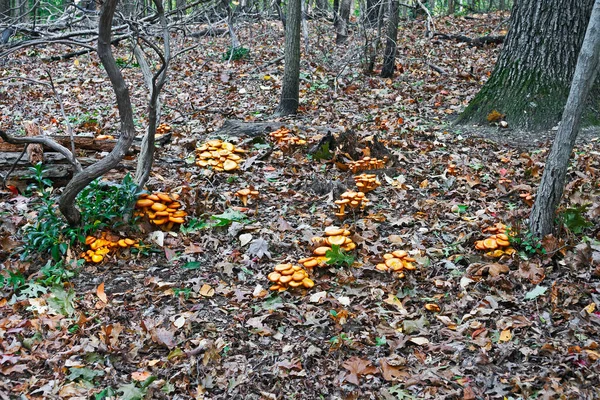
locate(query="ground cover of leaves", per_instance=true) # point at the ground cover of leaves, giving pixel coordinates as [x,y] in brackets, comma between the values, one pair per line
[197,315]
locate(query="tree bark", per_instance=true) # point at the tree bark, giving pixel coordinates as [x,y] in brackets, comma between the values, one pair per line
[389,56]
[552,185]
[66,203]
[343,21]
[288,103]
[373,11]
[530,83]
[4,10]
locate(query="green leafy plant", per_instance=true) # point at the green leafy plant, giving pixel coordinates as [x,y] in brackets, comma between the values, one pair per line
[101,206]
[573,218]
[526,242]
[228,217]
[338,257]
[235,53]
[194,225]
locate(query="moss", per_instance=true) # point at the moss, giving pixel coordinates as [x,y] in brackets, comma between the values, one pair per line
[530,101]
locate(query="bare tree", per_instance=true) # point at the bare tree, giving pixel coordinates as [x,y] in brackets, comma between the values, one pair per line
[552,185]
[389,57]
[155,82]
[288,103]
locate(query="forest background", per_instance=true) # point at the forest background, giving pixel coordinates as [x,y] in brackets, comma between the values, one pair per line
[479,303]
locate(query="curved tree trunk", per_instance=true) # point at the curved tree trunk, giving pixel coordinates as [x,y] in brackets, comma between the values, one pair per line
[66,203]
[389,56]
[288,103]
[552,185]
[530,83]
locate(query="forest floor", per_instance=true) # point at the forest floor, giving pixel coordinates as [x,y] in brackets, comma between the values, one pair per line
[193,317]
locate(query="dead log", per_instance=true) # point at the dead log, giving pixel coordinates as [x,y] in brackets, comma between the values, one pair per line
[86,143]
[478,42]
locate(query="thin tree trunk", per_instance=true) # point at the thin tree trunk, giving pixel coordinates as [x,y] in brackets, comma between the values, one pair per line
[344,20]
[450,7]
[389,56]
[530,83]
[288,103]
[5,13]
[336,13]
[553,180]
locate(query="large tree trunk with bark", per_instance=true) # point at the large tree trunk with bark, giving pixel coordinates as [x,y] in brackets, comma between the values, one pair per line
[552,185]
[288,103]
[530,83]
[389,57]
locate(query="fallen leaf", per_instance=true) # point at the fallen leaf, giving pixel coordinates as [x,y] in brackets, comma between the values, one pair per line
[207,290]
[245,239]
[505,335]
[100,293]
[420,341]
[179,322]
[357,367]
[140,376]
[392,372]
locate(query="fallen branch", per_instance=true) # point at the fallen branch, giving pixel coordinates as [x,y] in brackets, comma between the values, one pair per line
[480,41]
[45,141]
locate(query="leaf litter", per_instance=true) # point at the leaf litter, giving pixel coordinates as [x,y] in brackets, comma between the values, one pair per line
[193,320]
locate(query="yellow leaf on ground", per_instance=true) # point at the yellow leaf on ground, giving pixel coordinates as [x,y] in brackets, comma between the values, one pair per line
[207,290]
[505,335]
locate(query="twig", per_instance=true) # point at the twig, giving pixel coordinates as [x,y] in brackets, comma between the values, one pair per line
[45,141]
[12,168]
[274,61]
[62,111]
[430,25]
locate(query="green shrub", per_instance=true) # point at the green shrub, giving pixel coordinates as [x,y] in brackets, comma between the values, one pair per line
[102,205]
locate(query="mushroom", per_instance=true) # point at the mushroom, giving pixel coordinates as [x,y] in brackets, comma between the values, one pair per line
[219,155]
[288,275]
[243,194]
[397,261]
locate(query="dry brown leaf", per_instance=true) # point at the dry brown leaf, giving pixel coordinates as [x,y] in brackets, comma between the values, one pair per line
[100,293]
[358,367]
[392,372]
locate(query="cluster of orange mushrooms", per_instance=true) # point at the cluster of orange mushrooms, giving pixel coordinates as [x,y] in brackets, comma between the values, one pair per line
[354,200]
[219,155]
[497,244]
[333,236]
[163,129]
[284,138]
[162,209]
[397,261]
[366,182]
[367,163]
[287,276]
[246,193]
[102,245]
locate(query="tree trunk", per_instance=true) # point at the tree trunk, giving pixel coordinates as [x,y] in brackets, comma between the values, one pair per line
[530,83]
[321,7]
[288,103]
[552,185]
[373,7]
[4,10]
[450,7]
[336,13]
[344,20]
[389,56]
[66,203]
